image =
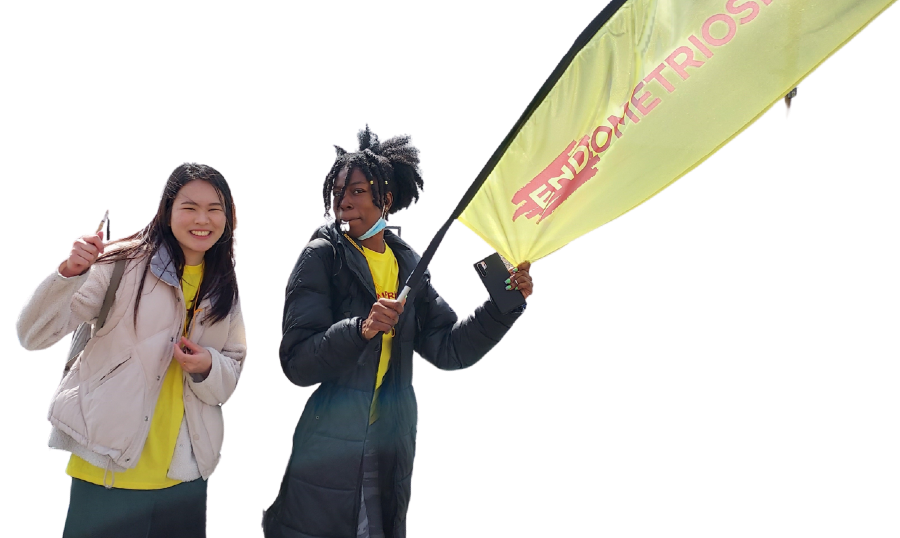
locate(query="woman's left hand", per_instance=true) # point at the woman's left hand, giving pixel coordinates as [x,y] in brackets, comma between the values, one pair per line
[193,359]
[520,279]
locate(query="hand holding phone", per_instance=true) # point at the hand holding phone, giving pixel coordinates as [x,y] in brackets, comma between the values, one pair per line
[521,279]
[507,290]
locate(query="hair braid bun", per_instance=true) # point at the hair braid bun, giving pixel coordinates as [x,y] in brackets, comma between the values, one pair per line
[391,166]
[406,180]
[367,140]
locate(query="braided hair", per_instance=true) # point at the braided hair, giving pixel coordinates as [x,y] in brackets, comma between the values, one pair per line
[389,166]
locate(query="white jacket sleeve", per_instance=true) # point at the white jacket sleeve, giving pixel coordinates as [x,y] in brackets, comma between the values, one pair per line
[226,365]
[60,304]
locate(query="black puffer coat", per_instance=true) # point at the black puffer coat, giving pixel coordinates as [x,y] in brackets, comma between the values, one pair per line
[329,290]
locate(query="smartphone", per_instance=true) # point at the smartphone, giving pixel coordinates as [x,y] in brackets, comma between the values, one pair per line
[494,272]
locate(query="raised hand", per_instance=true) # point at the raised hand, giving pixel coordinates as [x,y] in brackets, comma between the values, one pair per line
[85,252]
[520,279]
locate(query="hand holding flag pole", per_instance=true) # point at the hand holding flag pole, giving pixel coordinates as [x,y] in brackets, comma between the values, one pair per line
[418,272]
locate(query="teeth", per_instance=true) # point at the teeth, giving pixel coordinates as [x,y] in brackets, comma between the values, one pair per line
[201,234]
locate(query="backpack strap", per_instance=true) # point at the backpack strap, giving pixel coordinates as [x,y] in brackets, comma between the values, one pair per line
[83,332]
[114,280]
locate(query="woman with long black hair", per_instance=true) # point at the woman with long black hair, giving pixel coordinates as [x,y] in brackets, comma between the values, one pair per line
[140,407]
[350,470]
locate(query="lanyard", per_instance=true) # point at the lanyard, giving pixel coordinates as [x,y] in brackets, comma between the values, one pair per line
[352,242]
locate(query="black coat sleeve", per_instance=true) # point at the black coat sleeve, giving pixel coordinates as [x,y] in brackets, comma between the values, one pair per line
[450,344]
[313,347]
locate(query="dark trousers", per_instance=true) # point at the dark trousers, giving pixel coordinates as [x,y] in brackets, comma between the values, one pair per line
[369,523]
[175,512]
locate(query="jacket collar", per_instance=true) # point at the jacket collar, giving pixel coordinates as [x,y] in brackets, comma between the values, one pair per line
[356,261]
[162,265]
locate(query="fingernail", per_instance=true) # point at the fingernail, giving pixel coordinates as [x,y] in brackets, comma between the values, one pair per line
[515,269]
[509,287]
[507,281]
[517,287]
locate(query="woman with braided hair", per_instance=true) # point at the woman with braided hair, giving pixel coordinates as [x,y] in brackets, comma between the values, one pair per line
[350,469]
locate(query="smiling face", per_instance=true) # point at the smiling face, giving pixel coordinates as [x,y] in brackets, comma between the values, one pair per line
[198,220]
[357,207]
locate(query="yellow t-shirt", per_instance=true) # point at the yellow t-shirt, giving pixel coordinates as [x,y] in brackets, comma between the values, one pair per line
[153,465]
[385,274]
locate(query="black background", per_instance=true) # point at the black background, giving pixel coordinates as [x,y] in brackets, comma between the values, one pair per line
[645,370]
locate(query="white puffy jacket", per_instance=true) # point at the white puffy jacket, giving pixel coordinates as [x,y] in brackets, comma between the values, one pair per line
[103,407]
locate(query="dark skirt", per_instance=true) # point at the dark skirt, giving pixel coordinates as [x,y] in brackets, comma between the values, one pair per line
[174,512]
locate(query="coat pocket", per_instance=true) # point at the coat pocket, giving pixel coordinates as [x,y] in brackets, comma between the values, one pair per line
[105,375]
[113,404]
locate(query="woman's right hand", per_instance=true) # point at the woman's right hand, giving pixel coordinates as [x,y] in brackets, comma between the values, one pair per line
[85,252]
[384,315]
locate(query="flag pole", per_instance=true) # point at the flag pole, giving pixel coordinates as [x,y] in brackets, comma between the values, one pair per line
[583,39]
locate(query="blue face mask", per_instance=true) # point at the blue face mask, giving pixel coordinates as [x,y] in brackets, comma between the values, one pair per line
[377,227]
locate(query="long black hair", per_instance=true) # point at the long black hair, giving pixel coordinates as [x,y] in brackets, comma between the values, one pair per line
[390,166]
[219,283]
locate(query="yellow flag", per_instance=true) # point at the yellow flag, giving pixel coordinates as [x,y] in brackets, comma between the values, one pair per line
[649,90]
